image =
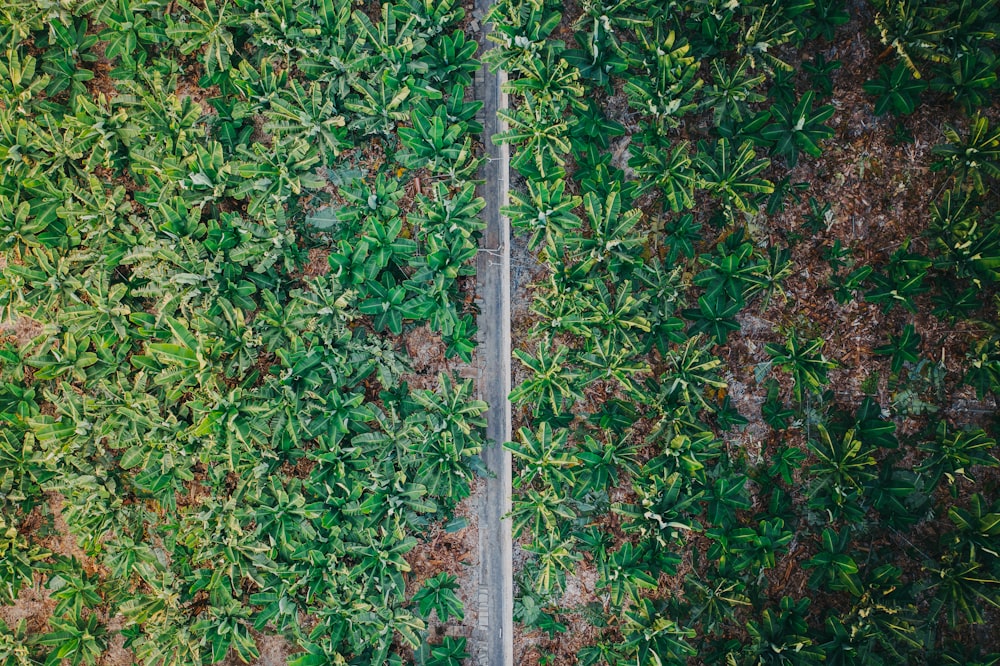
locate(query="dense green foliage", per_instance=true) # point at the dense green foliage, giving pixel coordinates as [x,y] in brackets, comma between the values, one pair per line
[228,432]
[626,464]
[233,442]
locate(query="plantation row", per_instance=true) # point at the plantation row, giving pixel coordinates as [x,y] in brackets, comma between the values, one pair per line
[653,256]
[229,436]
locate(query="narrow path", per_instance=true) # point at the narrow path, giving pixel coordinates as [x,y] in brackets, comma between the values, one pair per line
[493,637]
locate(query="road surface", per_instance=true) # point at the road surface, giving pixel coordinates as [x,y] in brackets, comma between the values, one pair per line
[493,640]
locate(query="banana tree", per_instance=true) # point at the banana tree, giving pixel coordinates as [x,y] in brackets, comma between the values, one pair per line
[715,599]
[235,426]
[450,437]
[903,348]
[542,139]
[591,130]
[17,402]
[20,79]
[540,512]
[380,563]
[385,246]
[543,456]
[691,371]
[715,316]
[805,362]
[461,111]
[657,639]
[661,288]
[76,639]
[388,304]
[614,241]
[130,28]
[551,384]
[619,315]
[433,142]
[976,528]
[668,168]
[20,229]
[285,518]
[559,311]
[601,462]
[186,362]
[272,177]
[624,573]
[664,510]
[781,636]
[520,34]
[391,44]
[730,273]
[555,556]
[900,280]
[971,160]
[968,246]
[438,594]
[450,214]
[71,356]
[960,586]
[68,44]
[952,452]
[209,30]
[20,559]
[209,176]
[597,58]
[446,258]
[308,114]
[666,86]
[549,81]
[451,60]
[451,652]
[543,210]
[461,342]
[834,567]
[610,358]
[732,91]
[380,105]
[351,265]
[798,129]
[895,90]
[731,174]
[431,17]
[844,469]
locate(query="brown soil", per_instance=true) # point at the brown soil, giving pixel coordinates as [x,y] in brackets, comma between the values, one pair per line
[424,348]
[317,264]
[274,651]
[455,553]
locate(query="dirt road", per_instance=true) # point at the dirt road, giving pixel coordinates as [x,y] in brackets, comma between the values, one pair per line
[492,643]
